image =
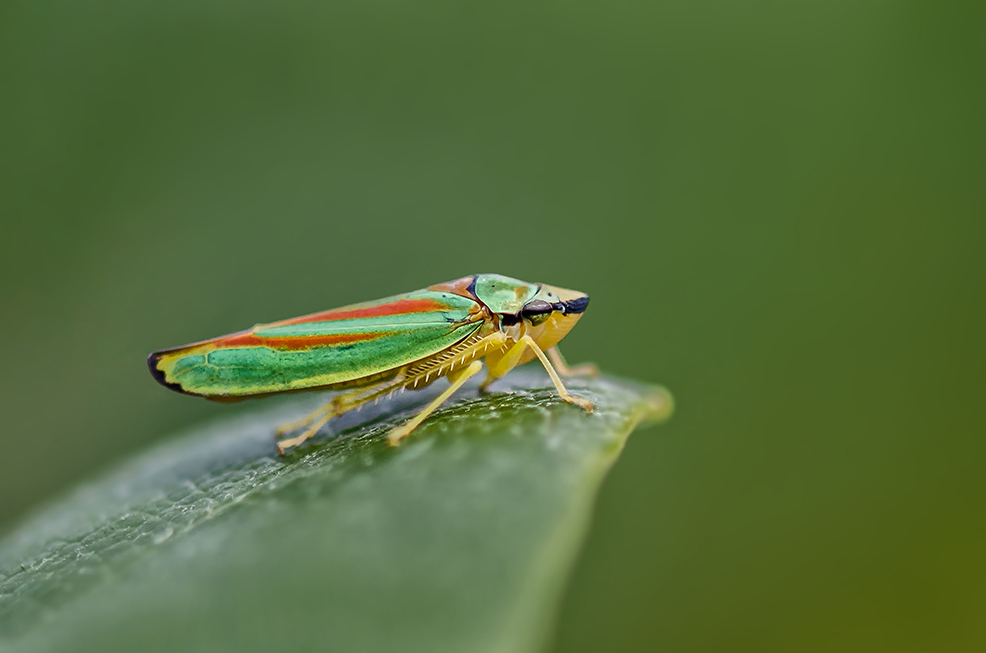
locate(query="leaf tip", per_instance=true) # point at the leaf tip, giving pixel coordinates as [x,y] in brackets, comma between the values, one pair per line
[659,406]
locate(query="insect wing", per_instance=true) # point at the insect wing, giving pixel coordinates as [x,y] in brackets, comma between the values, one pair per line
[322,349]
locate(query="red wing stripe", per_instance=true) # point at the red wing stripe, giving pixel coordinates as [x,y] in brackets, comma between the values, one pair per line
[399,307]
[301,342]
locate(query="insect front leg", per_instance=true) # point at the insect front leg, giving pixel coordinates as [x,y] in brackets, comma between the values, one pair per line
[499,364]
[513,355]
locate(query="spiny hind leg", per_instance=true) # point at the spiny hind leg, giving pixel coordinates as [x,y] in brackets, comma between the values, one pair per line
[284,445]
[513,356]
[335,404]
[301,423]
[316,419]
[458,379]
[583,369]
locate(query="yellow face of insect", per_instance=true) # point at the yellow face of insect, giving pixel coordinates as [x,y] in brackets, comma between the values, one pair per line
[552,314]
[550,332]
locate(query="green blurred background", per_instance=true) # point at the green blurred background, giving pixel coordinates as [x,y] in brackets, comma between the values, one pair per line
[777,208]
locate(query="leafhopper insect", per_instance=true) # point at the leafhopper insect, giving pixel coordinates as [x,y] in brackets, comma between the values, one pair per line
[372,350]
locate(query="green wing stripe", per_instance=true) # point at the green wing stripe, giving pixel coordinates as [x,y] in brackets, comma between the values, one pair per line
[362,325]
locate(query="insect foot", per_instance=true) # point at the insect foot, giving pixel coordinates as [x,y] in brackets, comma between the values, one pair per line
[584,404]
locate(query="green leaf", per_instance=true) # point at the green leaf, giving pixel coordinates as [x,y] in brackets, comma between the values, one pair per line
[458,540]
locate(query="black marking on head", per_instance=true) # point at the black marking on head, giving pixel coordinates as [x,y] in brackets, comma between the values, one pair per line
[159,375]
[472,286]
[575,305]
[508,319]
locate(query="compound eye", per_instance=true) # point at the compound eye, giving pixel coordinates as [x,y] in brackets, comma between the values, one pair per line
[537,311]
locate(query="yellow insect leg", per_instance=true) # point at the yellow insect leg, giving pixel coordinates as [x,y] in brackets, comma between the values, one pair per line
[513,355]
[499,363]
[316,420]
[585,369]
[284,445]
[458,379]
[284,429]
[334,407]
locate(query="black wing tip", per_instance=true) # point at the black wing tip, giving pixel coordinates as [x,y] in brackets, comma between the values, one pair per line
[152,360]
